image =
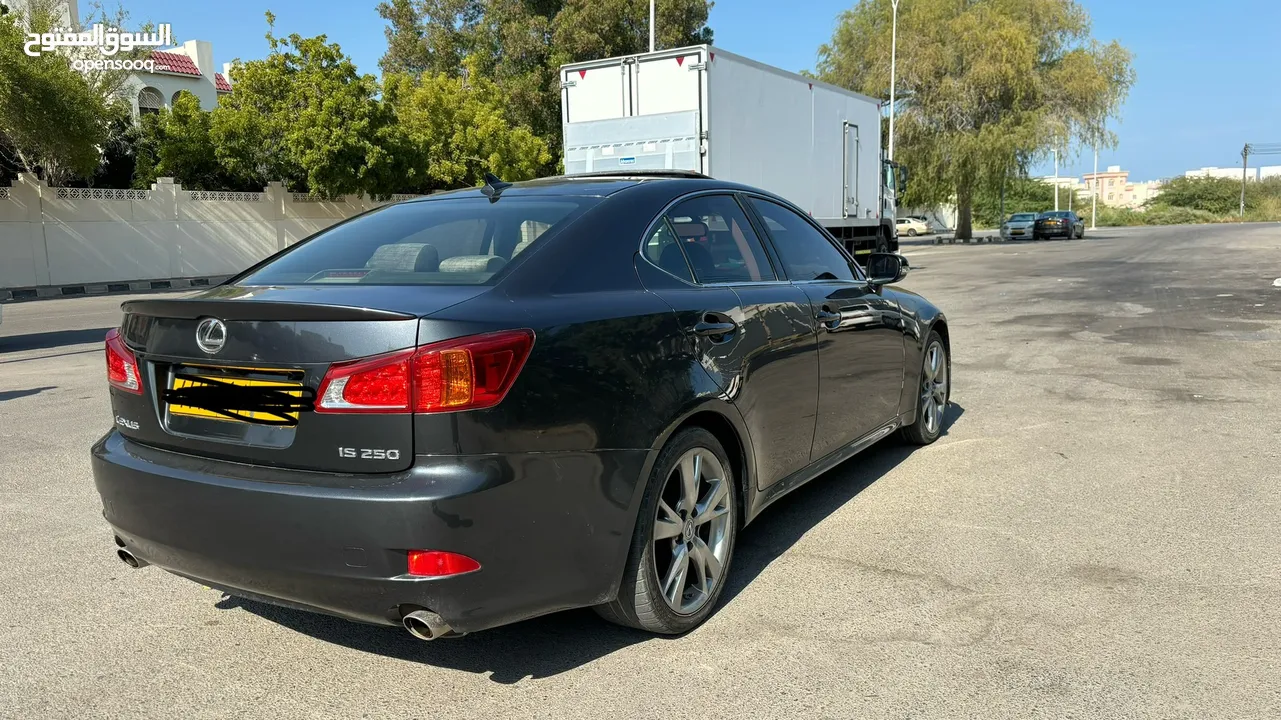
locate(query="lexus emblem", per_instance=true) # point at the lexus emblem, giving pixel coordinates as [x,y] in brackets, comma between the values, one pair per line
[211,335]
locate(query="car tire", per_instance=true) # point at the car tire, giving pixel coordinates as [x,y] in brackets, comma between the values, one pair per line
[933,393]
[654,595]
[911,232]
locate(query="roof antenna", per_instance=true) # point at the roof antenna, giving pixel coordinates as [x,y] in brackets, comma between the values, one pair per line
[494,187]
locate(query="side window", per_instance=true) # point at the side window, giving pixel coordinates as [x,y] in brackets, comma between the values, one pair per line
[806,253]
[718,241]
[664,250]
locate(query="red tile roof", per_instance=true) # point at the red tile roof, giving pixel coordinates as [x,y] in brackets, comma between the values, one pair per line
[221,83]
[174,63]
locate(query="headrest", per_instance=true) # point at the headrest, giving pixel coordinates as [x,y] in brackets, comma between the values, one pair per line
[405,257]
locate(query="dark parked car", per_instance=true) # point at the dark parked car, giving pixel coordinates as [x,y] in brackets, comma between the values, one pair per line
[1058,223]
[478,407]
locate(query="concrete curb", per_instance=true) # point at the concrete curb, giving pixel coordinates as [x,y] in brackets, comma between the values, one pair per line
[971,241]
[45,292]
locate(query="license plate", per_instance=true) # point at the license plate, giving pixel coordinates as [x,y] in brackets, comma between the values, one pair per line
[186,381]
[1016,232]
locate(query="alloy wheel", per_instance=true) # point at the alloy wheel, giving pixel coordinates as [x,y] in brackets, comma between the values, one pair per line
[934,387]
[692,531]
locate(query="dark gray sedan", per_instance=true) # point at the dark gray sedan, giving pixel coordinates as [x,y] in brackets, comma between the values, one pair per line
[470,409]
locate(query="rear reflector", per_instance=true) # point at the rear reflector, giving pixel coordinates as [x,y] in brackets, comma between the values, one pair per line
[122,367]
[463,374]
[438,563]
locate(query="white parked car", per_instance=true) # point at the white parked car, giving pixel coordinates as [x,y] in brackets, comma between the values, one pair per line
[1019,225]
[911,227]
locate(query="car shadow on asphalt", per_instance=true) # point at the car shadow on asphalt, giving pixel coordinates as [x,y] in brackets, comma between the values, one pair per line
[55,339]
[15,394]
[553,644]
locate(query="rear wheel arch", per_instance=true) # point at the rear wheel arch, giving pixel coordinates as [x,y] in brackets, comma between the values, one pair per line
[724,431]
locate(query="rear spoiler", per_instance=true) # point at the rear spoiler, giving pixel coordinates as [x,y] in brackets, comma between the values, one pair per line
[257,310]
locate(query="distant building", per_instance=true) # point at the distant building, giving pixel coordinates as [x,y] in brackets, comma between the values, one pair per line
[1223,172]
[1268,171]
[189,67]
[1113,187]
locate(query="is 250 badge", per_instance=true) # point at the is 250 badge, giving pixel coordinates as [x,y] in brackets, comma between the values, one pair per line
[369,453]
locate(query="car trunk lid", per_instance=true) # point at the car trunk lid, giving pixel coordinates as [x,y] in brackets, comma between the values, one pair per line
[232,373]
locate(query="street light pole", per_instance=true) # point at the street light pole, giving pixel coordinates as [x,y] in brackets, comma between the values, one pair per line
[651,25]
[1056,179]
[893,62]
[1094,196]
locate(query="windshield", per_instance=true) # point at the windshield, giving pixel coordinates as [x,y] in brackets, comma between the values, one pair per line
[1022,217]
[463,241]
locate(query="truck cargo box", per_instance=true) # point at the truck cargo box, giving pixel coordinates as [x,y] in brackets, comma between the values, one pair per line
[703,109]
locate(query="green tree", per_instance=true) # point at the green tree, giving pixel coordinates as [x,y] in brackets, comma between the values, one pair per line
[51,121]
[305,116]
[177,143]
[520,44]
[459,127]
[986,87]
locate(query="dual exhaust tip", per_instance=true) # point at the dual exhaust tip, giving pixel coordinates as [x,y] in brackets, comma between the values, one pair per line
[422,624]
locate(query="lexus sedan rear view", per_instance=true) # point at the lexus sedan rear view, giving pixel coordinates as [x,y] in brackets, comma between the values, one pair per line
[462,411]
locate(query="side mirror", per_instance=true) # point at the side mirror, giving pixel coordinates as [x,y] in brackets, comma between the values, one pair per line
[886,268]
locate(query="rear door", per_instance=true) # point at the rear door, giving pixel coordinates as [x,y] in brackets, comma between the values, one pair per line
[861,351]
[667,83]
[755,332]
[596,92]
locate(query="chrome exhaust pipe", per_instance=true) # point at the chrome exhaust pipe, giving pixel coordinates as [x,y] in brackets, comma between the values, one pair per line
[130,559]
[426,625]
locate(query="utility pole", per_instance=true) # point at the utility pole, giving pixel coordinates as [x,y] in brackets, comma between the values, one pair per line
[651,25]
[1056,179]
[893,61]
[1245,161]
[1094,195]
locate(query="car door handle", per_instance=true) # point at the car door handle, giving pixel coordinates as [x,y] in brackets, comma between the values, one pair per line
[827,319]
[711,329]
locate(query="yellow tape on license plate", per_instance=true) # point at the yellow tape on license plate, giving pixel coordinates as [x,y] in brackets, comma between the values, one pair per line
[185,381]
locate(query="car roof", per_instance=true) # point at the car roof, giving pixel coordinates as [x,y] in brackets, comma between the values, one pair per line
[599,185]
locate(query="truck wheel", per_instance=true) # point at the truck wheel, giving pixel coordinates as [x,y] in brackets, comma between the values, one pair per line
[882,245]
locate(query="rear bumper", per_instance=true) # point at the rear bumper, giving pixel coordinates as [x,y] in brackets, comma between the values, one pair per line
[1053,231]
[550,530]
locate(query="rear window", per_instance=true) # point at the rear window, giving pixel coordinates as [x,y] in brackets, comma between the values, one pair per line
[1056,214]
[464,241]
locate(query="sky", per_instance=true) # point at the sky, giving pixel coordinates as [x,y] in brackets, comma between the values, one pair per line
[1207,71]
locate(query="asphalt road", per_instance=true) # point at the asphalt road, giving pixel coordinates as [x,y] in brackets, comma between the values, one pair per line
[1096,536]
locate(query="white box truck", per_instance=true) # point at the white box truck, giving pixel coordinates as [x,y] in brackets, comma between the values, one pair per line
[705,110]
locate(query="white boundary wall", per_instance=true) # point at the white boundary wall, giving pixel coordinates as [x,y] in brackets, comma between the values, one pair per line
[78,236]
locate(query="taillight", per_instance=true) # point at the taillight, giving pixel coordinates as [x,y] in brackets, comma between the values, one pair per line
[438,563]
[469,373]
[379,385]
[122,367]
[464,374]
